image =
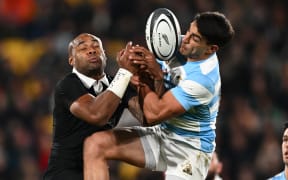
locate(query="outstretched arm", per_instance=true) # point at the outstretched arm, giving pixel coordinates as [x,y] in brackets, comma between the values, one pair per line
[98,110]
[158,104]
[95,110]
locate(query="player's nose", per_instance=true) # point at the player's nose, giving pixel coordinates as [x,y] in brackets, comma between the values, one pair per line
[184,38]
[92,51]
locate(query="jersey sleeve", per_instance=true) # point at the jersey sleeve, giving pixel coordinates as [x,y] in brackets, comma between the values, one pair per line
[194,92]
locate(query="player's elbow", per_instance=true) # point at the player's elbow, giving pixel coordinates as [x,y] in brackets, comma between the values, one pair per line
[152,119]
[98,119]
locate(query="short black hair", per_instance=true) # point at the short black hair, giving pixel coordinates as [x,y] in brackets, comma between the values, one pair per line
[285,126]
[214,27]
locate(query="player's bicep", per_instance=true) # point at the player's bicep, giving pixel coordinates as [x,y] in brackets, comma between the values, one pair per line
[136,110]
[80,107]
[95,110]
[172,105]
[157,110]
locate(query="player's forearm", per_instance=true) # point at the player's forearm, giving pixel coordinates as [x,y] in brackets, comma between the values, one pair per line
[151,111]
[136,110]
[110,99]
[103,107]
[159,87]
[98,110]
[95,110]
[152,108]
[158,109]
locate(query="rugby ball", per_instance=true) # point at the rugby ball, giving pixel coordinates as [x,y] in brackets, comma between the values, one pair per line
[163,34]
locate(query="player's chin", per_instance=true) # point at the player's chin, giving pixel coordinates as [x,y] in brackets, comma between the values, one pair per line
[95,66]
[285,157]
[183,51]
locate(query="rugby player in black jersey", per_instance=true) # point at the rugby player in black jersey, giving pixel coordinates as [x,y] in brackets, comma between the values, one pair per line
[82,106]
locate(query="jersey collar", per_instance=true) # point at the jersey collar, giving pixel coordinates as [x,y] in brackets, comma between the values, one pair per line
[89,82]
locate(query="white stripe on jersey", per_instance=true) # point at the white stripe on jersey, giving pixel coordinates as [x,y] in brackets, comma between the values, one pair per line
[185,124]
[215,107]
[208,66]
[196,90]
[218,86]
[213,124]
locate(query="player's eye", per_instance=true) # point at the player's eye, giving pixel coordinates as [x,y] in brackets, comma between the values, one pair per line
[196,38]
[94,44]
[83,48]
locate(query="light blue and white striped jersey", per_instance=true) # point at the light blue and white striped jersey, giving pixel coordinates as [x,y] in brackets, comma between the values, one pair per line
[196,85]
[279,176]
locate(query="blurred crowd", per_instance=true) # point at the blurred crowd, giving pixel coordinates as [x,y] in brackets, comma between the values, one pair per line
[34,36]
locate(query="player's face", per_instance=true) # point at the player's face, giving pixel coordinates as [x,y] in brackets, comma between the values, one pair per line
[194,45]
[285,147]
[88,55]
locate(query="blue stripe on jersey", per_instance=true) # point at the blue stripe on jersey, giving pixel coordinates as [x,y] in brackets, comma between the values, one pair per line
[280,176]
[205,139]
[198,91]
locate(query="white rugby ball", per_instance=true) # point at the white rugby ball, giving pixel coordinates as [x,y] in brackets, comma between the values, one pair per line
[163,34]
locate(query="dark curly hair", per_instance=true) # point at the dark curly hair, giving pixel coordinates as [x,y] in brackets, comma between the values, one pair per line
[214,27]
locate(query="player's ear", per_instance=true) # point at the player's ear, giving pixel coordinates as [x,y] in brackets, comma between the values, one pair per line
[71,60]
[212,48]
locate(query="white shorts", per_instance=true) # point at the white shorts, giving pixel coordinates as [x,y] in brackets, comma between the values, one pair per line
[174,154]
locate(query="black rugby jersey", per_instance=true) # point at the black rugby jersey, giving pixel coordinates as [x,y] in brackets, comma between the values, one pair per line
[69,132]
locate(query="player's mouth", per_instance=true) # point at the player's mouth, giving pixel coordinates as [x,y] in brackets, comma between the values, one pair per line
[285,155]
[94,59]
[182,48]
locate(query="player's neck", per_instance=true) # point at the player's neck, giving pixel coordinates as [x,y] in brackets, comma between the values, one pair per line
[286,171]
[98,76]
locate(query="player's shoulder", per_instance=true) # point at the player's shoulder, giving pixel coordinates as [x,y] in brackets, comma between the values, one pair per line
[70,76]
[279,176]
[198,83]
[205,73]
[209,65]
[67,81]
[67,78]
[199,78]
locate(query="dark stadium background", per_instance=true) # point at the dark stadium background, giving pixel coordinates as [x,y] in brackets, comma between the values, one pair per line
[34,35]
